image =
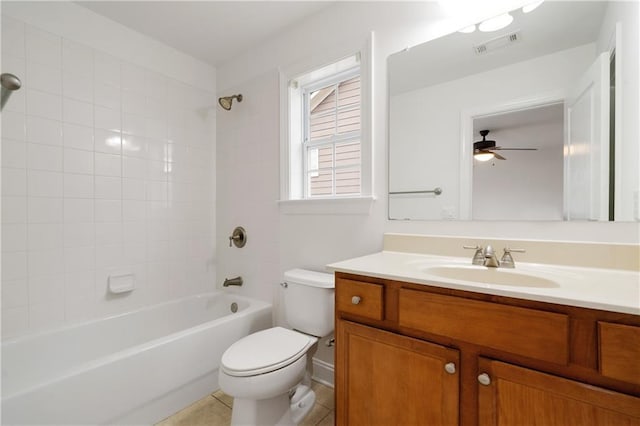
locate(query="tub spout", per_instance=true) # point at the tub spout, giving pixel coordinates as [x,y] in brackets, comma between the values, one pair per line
[232,281]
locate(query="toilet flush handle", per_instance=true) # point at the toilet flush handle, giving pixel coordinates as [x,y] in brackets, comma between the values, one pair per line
[355,300]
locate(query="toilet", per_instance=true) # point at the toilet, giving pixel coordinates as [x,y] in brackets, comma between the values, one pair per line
[268,373]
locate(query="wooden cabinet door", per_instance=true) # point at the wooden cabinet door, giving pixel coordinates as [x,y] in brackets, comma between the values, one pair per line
[520,397]
[386,379]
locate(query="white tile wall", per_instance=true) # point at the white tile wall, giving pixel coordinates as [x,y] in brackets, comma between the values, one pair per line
[93,184]
[42,131]
[253,201]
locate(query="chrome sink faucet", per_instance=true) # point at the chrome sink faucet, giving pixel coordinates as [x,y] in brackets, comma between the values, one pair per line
[487,257]
[490,258]
[484,256]
[478,256]
[507,260]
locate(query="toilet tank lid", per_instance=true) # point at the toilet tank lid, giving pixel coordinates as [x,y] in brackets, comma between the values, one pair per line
[310,278]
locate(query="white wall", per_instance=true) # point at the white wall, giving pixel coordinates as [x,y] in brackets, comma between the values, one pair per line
[313,240]
[308,241]
[280,241]
[107,168]
[426,125]
[248,186]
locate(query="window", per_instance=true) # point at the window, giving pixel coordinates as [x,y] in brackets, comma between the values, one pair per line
[326,137]
[331,136]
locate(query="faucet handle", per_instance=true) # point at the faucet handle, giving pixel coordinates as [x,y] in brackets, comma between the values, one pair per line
[238,237]
[478,257]
[512,250]
[507,260]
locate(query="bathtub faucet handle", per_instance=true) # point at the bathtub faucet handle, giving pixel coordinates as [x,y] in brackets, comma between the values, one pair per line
[238,237]
[232,281]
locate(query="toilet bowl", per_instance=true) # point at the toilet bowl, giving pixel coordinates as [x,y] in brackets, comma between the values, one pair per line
[261,372]
[268,373]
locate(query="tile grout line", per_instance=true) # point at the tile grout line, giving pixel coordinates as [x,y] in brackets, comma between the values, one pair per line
[324,417]
[221,401]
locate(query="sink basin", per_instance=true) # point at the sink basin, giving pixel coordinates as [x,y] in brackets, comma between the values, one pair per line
[484,275]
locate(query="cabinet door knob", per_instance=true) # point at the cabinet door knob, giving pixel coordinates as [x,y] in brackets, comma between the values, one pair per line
[355,300]
[484,379]
[450,368]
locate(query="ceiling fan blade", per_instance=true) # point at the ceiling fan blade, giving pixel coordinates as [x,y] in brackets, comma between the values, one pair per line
[514,149]
[498,156]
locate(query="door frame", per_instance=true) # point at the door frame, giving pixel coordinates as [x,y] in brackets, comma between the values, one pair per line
[466,137]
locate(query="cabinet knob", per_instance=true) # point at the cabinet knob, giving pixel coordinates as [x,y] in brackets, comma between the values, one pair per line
[355,300]
[450,368]
[484,379]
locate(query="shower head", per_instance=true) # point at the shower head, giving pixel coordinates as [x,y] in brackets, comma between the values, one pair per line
[226,101]
[9,83]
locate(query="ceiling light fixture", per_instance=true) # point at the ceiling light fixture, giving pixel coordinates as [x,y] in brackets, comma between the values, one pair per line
[495,24]
[531,6]
[484,156]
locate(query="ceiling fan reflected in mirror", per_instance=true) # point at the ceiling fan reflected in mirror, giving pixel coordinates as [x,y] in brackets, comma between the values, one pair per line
[484,150]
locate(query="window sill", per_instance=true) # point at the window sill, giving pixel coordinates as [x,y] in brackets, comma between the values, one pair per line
[329,206]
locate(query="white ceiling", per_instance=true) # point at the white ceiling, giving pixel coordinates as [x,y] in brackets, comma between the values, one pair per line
[554,26]
[212,31]
[515,119]
[538,126]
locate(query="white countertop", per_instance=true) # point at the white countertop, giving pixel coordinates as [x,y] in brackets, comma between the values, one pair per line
[607,289]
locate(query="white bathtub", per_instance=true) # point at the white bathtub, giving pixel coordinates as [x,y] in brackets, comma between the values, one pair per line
[134,368]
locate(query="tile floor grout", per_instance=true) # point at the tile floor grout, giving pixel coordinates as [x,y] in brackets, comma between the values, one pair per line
[215,410]
[220,400]
[325,416]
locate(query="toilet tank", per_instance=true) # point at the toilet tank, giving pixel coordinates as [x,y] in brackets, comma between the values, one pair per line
[309,301]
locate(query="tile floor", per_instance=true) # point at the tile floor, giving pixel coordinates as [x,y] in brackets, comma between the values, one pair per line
[215,410]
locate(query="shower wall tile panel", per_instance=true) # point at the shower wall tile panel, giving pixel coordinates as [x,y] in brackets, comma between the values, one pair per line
[107,168]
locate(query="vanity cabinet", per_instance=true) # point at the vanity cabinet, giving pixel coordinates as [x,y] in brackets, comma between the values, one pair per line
[619,350]
[513,395]
[390,379]
[409,354]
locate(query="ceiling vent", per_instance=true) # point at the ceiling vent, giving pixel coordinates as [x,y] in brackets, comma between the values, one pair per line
[497,43]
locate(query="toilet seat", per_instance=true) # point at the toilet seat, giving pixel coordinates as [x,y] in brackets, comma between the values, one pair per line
[265,351]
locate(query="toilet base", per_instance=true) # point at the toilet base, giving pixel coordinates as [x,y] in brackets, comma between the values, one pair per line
[302,402]
[281,410]
[272,411]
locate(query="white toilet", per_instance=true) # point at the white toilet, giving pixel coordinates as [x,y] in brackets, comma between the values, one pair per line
[268,373]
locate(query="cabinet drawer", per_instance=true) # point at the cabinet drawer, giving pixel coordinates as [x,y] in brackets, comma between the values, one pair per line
[359,298]
[528,332]
[619,348]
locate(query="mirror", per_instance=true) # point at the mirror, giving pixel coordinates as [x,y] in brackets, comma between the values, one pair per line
[557,91]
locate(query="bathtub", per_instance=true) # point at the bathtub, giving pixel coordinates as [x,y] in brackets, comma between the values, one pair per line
[134,368]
